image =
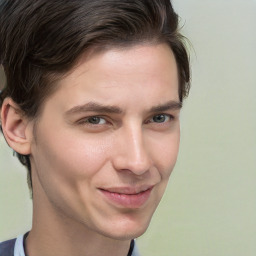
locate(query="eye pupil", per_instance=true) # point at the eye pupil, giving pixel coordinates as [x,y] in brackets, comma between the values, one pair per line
[159,118]
[94,120]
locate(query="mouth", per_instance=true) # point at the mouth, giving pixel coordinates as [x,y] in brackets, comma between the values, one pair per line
[128,197]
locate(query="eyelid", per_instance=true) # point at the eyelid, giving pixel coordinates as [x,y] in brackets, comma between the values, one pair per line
[100,118]
[85,120]
[170,116]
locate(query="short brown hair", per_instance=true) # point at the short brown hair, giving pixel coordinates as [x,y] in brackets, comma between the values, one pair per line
[41,40]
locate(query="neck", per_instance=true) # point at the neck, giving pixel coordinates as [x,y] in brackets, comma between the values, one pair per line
[38,244]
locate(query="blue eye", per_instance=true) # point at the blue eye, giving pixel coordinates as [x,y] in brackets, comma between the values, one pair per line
[162,118]
[96,120]
[159,118]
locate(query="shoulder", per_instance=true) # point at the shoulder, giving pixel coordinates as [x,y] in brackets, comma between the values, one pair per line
[7,247]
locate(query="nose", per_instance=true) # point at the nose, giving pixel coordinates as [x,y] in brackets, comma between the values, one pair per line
[131,152]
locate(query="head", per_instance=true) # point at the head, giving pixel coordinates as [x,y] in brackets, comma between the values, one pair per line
[49,45]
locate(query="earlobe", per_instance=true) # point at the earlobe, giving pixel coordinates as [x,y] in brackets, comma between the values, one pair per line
[15,127]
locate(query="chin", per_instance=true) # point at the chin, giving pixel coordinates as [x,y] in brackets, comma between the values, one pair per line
[127,234]
[127,229]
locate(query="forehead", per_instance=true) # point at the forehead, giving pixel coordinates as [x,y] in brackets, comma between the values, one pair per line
[121,76]
[125,59]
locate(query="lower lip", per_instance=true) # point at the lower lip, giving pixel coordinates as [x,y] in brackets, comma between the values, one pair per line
[128,201]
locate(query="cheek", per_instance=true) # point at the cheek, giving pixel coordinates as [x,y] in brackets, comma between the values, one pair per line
[166,151]
[66,162]
[67,166]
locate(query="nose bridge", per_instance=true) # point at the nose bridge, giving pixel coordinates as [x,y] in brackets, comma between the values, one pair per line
[132,152]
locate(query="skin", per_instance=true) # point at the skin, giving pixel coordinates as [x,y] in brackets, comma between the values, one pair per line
[112,124]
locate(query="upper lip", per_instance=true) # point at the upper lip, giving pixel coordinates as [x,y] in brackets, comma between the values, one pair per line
[128,190]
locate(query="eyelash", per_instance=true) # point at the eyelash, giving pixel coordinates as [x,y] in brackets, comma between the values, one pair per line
[86,120]
[168,118]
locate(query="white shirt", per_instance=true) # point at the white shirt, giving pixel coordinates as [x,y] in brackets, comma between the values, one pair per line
[19,249]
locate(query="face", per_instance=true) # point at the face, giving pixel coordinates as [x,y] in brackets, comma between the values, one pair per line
[107,140]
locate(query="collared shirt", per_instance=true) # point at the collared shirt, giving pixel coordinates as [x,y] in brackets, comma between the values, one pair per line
[19,248]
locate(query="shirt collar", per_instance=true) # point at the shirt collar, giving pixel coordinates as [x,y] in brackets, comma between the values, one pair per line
[19,248]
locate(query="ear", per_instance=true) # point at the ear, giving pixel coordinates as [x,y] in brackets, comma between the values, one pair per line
[16,128]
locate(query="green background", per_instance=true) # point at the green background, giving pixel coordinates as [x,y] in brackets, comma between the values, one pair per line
[209,207]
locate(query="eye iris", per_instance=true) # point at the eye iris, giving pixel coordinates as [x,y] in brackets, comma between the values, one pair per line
[94,120]
[159,118]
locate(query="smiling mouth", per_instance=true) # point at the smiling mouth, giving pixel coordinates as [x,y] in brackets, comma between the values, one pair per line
[127,197]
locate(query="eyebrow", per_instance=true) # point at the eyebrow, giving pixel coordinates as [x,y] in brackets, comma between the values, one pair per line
[94,107]
[170,105]
[100,108]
